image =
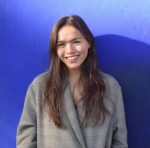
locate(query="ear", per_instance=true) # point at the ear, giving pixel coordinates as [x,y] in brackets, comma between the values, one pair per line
[89,45]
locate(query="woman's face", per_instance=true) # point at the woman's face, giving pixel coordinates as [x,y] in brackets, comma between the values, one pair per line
[72,47]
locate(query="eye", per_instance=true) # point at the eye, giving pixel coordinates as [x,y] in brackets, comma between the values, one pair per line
[61,45]
[76,42]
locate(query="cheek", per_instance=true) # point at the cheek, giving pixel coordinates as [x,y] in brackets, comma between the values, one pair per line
[59,54]
[84,51]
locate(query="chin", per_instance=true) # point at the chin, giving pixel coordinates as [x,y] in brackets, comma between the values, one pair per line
[73,67]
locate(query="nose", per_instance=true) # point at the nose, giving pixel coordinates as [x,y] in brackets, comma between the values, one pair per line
[70,48]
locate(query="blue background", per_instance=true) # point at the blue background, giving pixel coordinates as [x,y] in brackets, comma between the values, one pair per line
[122,32]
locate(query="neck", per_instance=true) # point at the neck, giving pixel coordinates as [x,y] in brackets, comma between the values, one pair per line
[75,85]
[74,76]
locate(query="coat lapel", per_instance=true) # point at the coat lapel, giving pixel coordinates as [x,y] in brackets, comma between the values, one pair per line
[72,116]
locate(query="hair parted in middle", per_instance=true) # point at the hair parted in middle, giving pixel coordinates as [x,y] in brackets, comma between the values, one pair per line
[91,78]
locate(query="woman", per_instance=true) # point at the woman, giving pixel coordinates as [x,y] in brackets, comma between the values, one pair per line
[73,104]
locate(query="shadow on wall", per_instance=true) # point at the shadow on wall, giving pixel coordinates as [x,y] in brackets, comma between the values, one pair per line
[129,62]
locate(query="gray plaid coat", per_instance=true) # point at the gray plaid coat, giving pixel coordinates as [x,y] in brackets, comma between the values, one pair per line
[37,130]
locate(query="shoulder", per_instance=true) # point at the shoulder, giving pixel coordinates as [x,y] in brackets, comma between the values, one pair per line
[35,91]
[109,80]
[39,81]
[113,89]
[40,78]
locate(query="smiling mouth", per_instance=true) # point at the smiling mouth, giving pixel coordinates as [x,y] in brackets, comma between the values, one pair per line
[72,57]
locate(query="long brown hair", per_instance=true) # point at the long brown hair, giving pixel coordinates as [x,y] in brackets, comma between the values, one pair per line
[57,78]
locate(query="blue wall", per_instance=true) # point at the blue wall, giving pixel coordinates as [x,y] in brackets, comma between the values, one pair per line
[122,33]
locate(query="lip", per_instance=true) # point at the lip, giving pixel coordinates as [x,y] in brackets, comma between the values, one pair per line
[73,57]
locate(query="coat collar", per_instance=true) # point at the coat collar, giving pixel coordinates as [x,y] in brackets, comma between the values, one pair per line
[72,116]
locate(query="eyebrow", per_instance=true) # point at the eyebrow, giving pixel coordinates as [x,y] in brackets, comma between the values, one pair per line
[77,38]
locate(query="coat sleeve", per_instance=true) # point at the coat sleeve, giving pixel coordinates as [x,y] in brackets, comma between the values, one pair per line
[119,139]
[26,131]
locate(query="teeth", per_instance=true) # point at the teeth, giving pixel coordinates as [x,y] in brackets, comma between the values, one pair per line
[72,58]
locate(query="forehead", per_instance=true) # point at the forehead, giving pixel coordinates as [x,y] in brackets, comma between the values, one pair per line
[68,32]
